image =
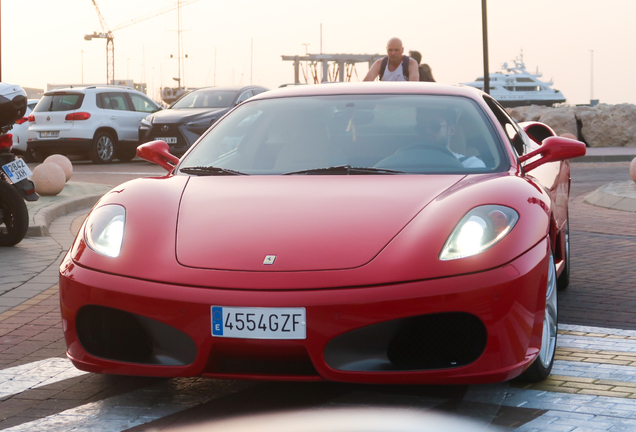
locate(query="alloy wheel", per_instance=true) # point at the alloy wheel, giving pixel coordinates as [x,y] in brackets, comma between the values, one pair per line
[548,342]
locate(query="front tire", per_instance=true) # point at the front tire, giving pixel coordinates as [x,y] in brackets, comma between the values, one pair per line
[542,366]
[103,149]
[14,215]
[126,154]
[39,155]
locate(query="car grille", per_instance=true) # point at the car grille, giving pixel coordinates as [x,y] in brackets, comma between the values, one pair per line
[160,131]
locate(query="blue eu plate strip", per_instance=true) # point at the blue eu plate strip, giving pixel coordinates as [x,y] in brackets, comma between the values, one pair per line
[217,321]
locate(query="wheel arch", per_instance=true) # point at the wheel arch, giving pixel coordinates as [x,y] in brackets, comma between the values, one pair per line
[109,130]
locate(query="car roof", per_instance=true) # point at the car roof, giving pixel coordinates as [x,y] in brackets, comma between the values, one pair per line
[91,87]
[228,88]
[373,88]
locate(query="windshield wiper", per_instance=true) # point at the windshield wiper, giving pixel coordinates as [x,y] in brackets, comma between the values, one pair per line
[345,170]
[210,171]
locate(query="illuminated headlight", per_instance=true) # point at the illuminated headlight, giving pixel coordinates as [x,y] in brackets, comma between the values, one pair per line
[104,232]
[480,229]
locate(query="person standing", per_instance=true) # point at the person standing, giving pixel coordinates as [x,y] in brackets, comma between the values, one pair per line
[426,74]
[395,66]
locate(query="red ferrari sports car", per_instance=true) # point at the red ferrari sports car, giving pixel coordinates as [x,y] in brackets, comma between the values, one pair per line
[371,232]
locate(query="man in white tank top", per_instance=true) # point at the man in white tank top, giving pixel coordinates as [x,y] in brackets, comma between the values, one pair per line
[394,69]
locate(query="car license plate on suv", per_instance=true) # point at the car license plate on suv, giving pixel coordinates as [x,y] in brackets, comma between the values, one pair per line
[168,140]
[49,134]
[259,323]
[17,170]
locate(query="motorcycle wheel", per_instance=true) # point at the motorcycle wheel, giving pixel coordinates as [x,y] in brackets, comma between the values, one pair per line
[14,216]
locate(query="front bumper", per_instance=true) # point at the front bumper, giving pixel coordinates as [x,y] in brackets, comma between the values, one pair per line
[136,327]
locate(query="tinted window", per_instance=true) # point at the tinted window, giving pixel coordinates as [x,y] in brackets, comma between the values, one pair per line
[206,99]
[113,100]
[142,104]
[60,102]
[407,133]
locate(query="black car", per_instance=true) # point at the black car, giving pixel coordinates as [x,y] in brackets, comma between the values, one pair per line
[183,122]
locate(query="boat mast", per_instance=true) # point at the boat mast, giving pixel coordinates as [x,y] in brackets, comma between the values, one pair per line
[179,42]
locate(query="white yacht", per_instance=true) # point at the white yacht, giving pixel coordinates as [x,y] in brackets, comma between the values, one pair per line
[171,94]
[514,86]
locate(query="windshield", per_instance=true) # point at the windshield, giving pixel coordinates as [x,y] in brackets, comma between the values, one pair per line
[388,133]
[206,99]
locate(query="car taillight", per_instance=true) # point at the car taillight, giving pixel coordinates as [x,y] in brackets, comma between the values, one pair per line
[78,116]
[31,118]
[6,141]
[22,120]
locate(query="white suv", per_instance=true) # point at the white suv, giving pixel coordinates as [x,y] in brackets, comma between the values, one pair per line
[101,122]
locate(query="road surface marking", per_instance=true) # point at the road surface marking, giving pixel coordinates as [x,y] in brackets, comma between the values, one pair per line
[37,374]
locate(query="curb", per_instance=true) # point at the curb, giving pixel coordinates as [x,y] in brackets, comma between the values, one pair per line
[604,158]
[614,196]
[45,216]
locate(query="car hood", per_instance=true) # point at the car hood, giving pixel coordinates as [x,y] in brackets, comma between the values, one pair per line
[307,223]
[187,114]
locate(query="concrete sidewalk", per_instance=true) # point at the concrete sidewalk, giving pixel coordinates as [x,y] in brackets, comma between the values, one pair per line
[608,154]
[74,196]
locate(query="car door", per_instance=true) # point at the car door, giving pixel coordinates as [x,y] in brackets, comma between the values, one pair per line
[142,107]
[120,115]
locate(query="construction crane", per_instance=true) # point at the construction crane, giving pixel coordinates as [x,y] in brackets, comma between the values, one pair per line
[107,34]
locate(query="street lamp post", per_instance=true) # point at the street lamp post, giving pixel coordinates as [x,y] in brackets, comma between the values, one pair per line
[0,48]
[484,29]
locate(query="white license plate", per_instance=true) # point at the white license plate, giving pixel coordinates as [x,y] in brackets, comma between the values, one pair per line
[259,323]
[17,170]
[49,134]
[168,140]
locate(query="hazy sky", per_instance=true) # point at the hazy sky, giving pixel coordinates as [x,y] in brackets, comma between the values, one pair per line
[43,40]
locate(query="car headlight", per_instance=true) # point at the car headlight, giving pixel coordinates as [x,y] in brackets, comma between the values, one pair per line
[104,231]
[146,122]
[201,124]
[480,229]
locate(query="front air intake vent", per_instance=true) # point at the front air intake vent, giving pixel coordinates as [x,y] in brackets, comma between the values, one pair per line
[437,341]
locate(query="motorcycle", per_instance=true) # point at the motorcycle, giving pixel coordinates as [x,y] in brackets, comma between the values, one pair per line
[15,187]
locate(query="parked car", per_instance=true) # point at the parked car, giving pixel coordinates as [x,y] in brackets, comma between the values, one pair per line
[101,122]
[20,130]
[181,124]
[389,233]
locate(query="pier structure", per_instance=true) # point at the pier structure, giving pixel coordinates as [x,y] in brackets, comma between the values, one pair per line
[335,67]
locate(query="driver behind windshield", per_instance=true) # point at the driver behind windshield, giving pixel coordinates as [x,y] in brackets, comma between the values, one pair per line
[436,128]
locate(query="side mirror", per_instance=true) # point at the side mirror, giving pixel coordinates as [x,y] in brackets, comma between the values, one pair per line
[553,149]
[158,153]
